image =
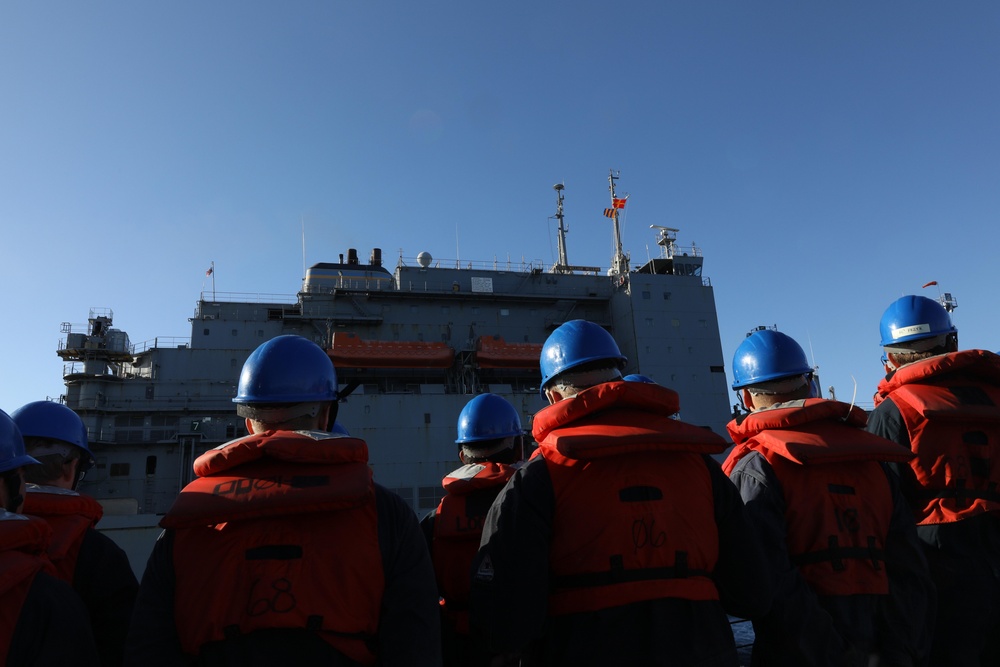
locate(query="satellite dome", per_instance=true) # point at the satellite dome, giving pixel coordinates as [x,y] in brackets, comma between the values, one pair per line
[424,259]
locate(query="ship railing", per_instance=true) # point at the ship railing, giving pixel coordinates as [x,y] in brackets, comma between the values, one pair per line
[513,266]
[160,342]
[245,297]
[347,283]
[672,250]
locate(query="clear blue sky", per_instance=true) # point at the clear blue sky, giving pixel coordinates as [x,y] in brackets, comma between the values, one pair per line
[827,157]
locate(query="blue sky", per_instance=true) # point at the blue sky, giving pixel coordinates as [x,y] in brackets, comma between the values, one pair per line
[826,157]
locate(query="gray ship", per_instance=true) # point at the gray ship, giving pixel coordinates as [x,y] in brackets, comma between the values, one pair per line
[411,347]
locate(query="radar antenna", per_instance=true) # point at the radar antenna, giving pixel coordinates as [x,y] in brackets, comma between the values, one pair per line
[563,263]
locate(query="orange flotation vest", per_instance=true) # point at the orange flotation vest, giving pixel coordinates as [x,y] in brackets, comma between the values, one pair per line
[23,541]
[634,513]
[950,405]
[458,527]
[838,503]
[279,531]
[70,515]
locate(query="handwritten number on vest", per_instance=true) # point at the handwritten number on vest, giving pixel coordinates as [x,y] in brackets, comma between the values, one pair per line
[644,535]
[278,600]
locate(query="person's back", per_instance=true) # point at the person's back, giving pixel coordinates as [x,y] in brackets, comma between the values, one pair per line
[42,621]
[491,444]
[620,541]
[91,562]
[310,561]
[851,580]
[944,405]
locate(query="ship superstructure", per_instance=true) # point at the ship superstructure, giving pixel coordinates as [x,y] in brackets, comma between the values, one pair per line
[411,346]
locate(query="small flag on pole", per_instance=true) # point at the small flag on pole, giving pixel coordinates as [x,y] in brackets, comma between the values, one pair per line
[933,282]
[618,203]
[210,271]
[609,213]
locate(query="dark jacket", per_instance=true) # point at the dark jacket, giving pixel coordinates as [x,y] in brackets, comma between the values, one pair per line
[623,427]
[851,578]
[42,621]
[959,527]
[408,623]
[97,568]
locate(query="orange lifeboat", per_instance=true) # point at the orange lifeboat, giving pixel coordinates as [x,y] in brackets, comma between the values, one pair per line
[350,351]
[495,352]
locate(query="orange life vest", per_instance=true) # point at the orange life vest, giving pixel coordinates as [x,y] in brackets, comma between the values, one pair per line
[838,503]
[634,513]
[23,541]
[458,527]
[950,405]
[279,531]
[70,515]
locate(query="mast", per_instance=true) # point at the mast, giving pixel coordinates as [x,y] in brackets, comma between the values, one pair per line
[619,263]
[563,262]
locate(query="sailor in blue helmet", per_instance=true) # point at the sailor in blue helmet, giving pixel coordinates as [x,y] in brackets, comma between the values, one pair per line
[490,446]
[942,404]
[852,582]
[42,621]
[283,550]
[97,568]
[620,542]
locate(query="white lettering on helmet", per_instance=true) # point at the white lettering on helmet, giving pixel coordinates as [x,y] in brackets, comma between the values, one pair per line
[910,331]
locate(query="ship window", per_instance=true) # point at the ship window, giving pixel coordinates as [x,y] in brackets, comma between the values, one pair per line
[676,323]
[649,321]
[149,391]
[717,369]
[504,312]
[205,331]
[666,296]
[230,430]
[429,496]
[236,332]
[427,418]
[646,294]
[119,469]
[150,466]
[233,363]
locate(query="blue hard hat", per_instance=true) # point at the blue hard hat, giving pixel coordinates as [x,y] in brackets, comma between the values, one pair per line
[636,377]
[575,343]
[55,421]
[287,369]
[766,355]
[487,417]
[911,318]
[12,454]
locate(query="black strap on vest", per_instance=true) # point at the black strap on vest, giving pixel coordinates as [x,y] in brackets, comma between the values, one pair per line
[617,574]
[835,555]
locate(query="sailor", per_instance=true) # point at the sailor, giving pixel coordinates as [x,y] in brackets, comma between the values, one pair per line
[97,568]
[42,621]
[620,541]
[851,580]
[283,550]
[491,445]
[942,404]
